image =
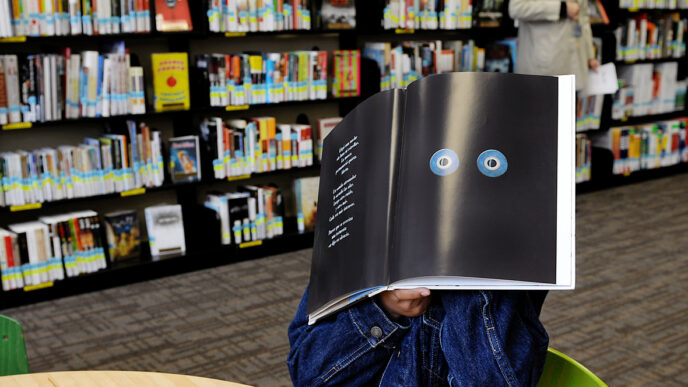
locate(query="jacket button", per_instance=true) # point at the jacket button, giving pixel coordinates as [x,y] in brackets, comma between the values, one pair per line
[376,332]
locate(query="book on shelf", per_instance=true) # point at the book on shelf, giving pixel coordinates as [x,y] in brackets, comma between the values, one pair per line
[44,251]
[70,85]
[165,227]
[323,127]
[255,145]
[123,233]
[77,237]
[583,158]
[596,13]
[254,213]
[108,164]
[588,112]
[651,36]
[268,77]
[306,197]
[10,261]
[346,73]
[74,17]
[32,257]
[185,159]
[648,89]
[401,63]
[653,4]
[428,15]
[258,16]
[172,15]
[444,194]
[487,13]
[338,14]
[646,146]
[171,81]
[498,58]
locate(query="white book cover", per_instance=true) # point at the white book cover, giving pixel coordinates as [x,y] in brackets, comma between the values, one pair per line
[165,230]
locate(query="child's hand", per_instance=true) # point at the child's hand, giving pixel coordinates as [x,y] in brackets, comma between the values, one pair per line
[405,302]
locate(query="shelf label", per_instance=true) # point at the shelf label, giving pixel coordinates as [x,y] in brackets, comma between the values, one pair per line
[26,207]
[39,286]
[241,177]
[133,192]
[13,39]
[234,34]
[404,31]
[236,107]
[18,125]
[250,244]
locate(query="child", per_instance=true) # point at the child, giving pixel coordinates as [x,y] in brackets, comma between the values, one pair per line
[408,338]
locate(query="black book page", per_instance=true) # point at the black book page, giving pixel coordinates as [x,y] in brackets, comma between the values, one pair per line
[466,223]
[351,232]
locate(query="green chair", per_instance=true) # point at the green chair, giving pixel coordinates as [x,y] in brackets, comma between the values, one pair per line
[13,358]
[562,371]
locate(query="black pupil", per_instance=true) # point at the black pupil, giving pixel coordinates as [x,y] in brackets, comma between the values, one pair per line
[491,163]
[444,162]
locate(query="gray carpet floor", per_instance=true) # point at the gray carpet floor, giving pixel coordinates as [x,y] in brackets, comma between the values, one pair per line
[627,320]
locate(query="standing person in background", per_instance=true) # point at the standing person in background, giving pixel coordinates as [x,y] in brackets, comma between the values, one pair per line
[554,38]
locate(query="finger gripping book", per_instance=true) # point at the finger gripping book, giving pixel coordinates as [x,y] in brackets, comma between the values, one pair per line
[459,181]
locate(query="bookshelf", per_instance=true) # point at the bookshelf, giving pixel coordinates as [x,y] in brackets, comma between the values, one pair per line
[203,252]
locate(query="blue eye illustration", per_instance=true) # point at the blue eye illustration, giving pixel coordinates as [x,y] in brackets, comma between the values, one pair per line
[443,162]
[492,163]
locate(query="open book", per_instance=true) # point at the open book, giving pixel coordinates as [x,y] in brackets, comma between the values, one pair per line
[460,181]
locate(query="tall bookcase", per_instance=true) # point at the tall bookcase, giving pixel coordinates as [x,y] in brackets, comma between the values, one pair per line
[203,249]
[602,159]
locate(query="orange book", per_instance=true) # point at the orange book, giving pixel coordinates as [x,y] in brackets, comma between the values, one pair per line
[172,15]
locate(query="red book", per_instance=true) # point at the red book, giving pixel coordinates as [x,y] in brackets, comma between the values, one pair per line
[172,15]
[9,250]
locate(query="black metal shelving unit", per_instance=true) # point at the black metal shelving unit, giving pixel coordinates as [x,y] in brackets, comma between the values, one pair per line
[602,159]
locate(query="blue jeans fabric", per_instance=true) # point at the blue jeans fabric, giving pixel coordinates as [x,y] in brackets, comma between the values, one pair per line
[465,338]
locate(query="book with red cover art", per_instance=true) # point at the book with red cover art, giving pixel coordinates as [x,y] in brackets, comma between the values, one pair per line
[172,15]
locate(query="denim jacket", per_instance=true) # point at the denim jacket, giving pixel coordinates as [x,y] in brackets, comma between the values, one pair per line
[465,338]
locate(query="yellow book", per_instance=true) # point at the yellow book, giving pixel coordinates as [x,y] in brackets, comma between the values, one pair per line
[171,81]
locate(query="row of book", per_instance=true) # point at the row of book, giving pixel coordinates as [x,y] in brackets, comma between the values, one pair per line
[653,4]
[50,249]
[253,213]
[646,146]
[61,246]
[651,37]
[428,15]
[583,157]
[401,63]
[648,89]
[258,15]
[246,79]
[52,87]
[588,112]
[108,164]
[242,147]
[73,17]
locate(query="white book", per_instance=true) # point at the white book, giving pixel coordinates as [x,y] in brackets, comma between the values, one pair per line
[49,18]
[75,17]
[219,203]
[90,65]
[12,88]
[5,20]
[165,230]
[253,216]
[106,96]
